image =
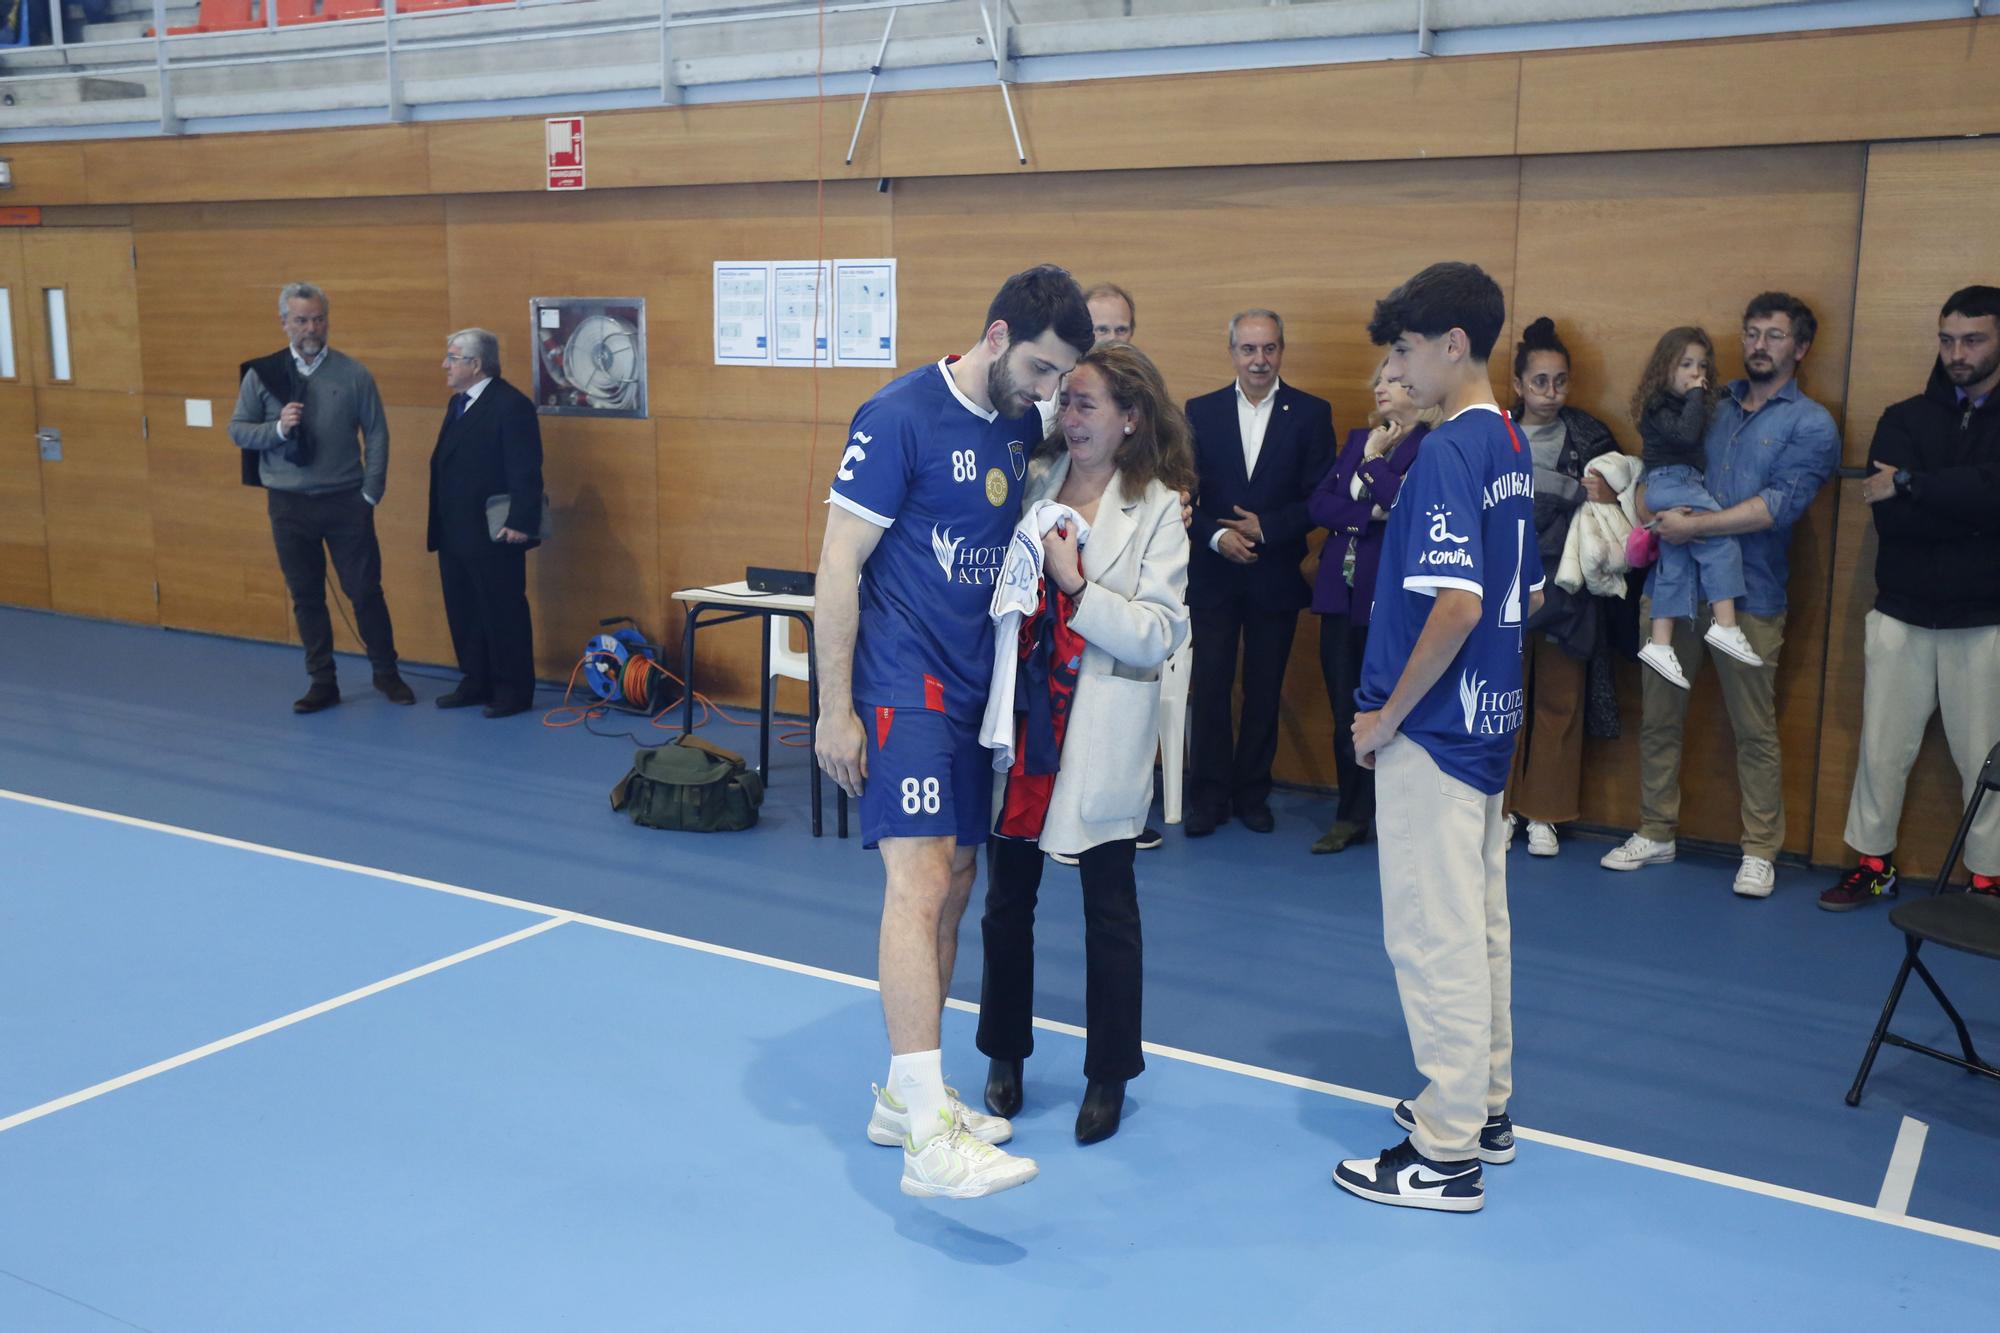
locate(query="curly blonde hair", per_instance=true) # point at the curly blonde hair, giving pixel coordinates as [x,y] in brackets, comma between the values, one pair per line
[1658,377]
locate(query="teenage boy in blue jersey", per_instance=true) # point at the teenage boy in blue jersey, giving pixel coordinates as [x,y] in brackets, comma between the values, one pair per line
[923,507]
[1437,708]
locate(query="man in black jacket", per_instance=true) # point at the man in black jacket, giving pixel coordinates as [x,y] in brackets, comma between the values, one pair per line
[489,446]
[1934,635]
[1260,448]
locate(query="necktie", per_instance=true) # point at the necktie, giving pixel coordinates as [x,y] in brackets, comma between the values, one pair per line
[458,402]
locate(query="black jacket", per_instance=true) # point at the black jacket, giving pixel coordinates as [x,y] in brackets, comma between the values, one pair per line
[1298,449]
[1570,619]
[1938,562]
[495,447]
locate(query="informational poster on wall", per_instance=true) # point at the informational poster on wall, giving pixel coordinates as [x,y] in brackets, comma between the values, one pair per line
[864,312]
[565,150]
[839,312]
[802,313]
[742,314]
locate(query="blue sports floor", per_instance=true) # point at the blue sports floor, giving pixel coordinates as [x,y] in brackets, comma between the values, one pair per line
[379,1019]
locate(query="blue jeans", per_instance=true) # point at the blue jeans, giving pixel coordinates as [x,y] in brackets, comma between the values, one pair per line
[1708,570]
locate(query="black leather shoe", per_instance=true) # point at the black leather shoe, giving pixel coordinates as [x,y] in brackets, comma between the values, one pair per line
[321,695]
[1003,1088]
[395,690]
[1103,1104]
[1257,819]
[461,698]
[503,710]
[1201,823]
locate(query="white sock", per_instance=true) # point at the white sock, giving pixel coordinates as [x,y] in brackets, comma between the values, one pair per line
[917,1081]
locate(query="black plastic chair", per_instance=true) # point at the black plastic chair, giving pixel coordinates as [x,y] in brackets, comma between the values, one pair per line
[1968,922]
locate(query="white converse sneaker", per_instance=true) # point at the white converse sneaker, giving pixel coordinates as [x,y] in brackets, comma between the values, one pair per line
[955,1165]
[1635,852]
[1660,657]
[890,1124]
[1729,639]
[1755,878]
[1541,838]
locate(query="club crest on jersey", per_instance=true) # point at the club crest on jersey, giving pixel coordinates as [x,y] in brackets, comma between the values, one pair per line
[1017,457]
[996,487]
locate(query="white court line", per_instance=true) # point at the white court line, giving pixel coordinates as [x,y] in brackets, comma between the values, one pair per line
[1746,1184]
[262,1029]
[1902,1174]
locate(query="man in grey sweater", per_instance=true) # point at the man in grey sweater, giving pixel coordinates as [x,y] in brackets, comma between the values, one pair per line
[298,416]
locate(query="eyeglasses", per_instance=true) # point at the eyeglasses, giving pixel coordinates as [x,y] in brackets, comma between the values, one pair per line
[1752,337]
[454,356]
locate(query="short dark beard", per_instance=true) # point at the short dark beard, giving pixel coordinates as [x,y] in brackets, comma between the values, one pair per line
[1978,373]
[1764,376]
[1001,390]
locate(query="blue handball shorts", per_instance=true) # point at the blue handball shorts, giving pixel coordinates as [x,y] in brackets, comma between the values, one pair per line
[928,777]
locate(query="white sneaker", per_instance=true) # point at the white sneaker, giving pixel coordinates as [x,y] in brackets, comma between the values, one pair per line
[890,1124]
[1513,822]
[1660,657]
[1635,852]
[1755,878]
[1541,838]
[1729,639]
[955,1165]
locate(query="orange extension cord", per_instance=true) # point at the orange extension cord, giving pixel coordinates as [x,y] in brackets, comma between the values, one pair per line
[635,683]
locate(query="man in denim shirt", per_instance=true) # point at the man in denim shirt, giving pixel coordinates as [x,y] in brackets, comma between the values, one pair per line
[1770,449]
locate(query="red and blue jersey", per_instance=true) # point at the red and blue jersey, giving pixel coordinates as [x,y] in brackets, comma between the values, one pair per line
[1465,519]
[943,477]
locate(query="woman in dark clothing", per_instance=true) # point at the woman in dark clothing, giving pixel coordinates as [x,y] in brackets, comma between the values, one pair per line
[1352,504]
[1546,785]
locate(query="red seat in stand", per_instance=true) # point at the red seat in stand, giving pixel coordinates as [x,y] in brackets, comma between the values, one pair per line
[222,16]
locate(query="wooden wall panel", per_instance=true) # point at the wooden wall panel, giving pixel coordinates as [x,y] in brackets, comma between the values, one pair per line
[661,245]
[603,487]
[1319,244]
[213,556]
[98,503]
[24,559]
[47,173]
[1923,80]
[1913,255]
[364,160]
[381,262]
[1339,114]
[751,141]
[1617,250]
[94,267]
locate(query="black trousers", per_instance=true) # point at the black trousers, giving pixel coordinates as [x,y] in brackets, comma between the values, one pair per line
[308,528]
[1224,776]
[1341,645]
[1113,956]
[486,605]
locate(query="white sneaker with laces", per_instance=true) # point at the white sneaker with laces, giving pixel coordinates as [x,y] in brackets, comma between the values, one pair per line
[1660,657]
[1729,639]
[1541,838]
[955,1165]
[1755,878]
[1636,852]
[890,1123]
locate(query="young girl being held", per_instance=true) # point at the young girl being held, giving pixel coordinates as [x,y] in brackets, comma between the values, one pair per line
[1671,406]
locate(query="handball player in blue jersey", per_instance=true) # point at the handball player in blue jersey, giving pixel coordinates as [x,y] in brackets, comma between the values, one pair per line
[1436,712]
[922,510]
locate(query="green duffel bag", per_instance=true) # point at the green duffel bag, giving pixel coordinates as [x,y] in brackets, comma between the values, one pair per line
[690,786]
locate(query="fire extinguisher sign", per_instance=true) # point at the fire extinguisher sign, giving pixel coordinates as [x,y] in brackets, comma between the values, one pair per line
[565,144]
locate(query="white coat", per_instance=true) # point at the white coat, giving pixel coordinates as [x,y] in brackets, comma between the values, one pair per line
[1132,618]
[1594,552]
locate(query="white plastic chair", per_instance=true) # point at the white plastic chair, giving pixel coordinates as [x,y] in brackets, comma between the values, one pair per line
[1173,727]
[785,661]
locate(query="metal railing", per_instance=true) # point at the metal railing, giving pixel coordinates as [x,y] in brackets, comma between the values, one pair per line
[396,38]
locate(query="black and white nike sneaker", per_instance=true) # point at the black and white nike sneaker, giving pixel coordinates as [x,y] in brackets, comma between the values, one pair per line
[1406,1178]
[1496,1137]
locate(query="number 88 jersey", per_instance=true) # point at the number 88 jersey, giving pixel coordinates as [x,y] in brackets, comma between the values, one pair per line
[943,477]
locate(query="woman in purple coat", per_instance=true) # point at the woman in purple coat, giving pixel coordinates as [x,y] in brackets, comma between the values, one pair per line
[1352,504]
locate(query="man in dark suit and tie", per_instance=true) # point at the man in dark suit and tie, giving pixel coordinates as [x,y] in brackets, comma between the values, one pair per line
[1260,446]
[490,445]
